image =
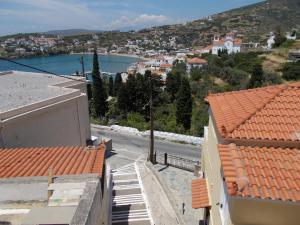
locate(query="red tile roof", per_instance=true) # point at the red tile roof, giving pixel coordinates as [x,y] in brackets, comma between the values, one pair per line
[200,197]
[236,42]
[166,65]
[197,61]
[28,162]
[269,113]
[260,172]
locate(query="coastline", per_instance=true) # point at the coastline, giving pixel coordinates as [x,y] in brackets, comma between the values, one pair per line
[112,54]
[76,55]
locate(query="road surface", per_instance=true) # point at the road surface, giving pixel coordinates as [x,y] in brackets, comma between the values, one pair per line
[140,145]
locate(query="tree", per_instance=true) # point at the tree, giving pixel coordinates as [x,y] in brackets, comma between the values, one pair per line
[131,86]
[173,83]
[291,71]
[141,93]
[184,105]
[123,100]
[98,91]
[111,86]
[257,77]
[118,83]
[279,37]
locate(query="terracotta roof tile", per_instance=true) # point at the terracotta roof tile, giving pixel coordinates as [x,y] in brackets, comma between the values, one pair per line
[166,65]
[269,113]
[28,162]
[197,61]
[260,172]
[200,198]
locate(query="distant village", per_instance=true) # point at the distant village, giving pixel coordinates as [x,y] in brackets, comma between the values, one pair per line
[157,55]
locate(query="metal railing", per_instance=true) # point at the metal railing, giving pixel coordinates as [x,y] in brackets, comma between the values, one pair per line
[176,161]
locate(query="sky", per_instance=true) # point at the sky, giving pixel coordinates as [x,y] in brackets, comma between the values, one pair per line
[23,16]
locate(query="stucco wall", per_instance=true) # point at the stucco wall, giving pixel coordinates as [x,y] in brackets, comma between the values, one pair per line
[89,208]
[212,170]
[258,212]
[107,198]
[62,124]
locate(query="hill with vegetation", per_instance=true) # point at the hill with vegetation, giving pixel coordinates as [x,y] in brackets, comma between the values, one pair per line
[253,23]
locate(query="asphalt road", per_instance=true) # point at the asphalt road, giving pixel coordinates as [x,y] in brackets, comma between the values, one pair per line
[138,144]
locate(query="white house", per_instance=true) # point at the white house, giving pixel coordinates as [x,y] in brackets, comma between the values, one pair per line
[291,35]
[195,63]
[38,109]
[229,43]
[271,41]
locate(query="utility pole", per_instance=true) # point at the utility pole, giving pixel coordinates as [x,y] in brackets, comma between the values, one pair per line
[151,150]
[82,65]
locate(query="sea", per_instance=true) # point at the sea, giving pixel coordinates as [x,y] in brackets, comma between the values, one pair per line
[69,64]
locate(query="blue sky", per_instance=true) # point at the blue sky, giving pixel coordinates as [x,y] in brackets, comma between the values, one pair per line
[42,15]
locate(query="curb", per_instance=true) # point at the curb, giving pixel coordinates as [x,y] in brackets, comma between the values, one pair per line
[167,192]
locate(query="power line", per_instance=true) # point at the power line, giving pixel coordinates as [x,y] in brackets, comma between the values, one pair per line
[40,70]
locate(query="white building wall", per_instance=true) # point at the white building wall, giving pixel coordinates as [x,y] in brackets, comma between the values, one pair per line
[62,124]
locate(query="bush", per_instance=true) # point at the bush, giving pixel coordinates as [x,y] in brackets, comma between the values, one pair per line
[288,44]
[291,71]
[272,78]
[137,121]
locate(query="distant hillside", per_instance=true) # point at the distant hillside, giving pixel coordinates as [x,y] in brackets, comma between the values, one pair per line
[252,22]
[71,32]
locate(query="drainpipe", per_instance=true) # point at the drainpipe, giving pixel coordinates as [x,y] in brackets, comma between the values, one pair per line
[50,181]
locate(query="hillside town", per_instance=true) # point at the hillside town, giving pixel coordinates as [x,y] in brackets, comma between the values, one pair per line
[183,124]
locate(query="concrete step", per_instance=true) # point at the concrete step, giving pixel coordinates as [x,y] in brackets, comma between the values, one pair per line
[128,207]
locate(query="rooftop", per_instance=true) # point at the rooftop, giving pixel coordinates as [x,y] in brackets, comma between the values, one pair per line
[19,89]
[200,197]
[262,114]
[197,61]
[261,172]
[28,198]
[32,162]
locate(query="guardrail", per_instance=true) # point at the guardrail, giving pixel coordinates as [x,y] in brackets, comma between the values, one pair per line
[177,161]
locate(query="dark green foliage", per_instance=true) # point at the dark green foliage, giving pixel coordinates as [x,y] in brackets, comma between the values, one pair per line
[245,61]
[111,86]
[279,37]
[98,91]
[200,119]
[173,83]
[287,44]
[118,83]
[89,91]
[123,100]
[197,74]
[179,67]
[238,79]
[142,93]
[184,105]
[131,86]
[257,77]
[272,78]
[291,71]
[222,52]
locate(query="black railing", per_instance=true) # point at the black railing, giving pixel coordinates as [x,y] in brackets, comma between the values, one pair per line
[176,161]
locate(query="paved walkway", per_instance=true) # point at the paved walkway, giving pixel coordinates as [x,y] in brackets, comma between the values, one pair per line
[129,203]
[177,183]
